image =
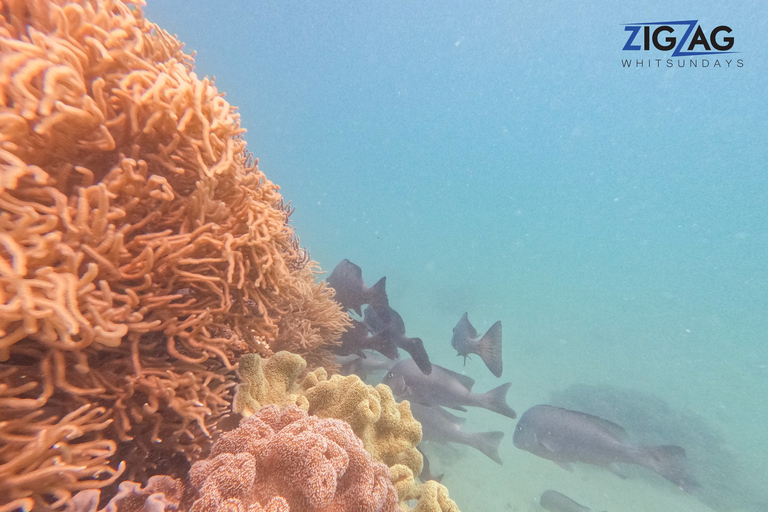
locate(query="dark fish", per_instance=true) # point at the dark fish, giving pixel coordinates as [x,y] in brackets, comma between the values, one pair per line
[390,327]
[426,474]
[351,292]
[466,342]
[556,502]
[565,436]
[444,387]
[357,338]
[439,425]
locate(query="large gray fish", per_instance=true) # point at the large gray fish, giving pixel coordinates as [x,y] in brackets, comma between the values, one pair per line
[390,328]
[444,387]
[466,341]
[363,364]
[439,425]
[556,502]
[351,292]
[566,436]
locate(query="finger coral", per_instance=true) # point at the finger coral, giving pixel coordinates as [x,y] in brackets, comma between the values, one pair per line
[142,252]
[287,460]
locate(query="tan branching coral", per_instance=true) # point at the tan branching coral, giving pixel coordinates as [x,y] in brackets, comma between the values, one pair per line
[312,320]
[52,454]
[141,251]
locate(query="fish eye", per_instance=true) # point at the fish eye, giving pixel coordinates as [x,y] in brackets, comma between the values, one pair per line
[519,428]
[390,375]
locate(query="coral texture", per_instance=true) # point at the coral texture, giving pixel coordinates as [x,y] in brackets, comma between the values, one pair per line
[387,428]
[431,496]
[160,493]
[268,381]
[141,253]
[309,463]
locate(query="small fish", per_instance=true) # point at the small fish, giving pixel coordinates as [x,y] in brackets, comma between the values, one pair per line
[357,338]
[351,292]
[390,328]
[466,342]
[444,387]
[564,436]
[439,425]
[426,474]
[556,502]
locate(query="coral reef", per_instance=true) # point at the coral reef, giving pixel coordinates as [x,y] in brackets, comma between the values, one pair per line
[142,252]
[160,493]
[431,496]
[275,461]
[387,428]
[273,380]
[311,464]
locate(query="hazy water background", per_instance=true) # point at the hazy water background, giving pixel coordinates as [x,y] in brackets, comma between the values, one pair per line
[495,158]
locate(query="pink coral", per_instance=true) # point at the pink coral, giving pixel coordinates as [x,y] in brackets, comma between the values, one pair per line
[286,460]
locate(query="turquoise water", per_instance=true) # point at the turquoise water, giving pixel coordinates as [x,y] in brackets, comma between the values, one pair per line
[496,158]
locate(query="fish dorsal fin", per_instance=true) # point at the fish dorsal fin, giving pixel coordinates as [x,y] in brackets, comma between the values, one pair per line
[347,275]
[466,324]
[617,431]
[376,297]
[467,382]
[397,321]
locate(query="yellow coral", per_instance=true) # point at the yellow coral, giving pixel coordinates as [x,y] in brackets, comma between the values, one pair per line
[431,496]
[270,381]
[387,428]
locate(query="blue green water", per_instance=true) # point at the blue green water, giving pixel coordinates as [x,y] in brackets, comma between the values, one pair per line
[496,158]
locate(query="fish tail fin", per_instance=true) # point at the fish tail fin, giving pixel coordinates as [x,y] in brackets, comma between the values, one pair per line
[670,462]
[488,443]
[415,347]
[489,349]
[378,300]
[496,400]
[426,474]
